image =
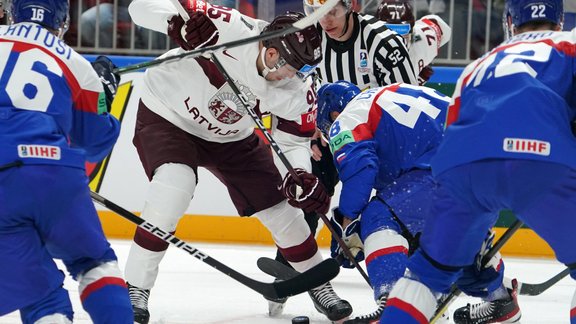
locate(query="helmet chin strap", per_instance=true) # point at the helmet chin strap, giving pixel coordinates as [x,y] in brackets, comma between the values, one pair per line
[346,24]
[266,69]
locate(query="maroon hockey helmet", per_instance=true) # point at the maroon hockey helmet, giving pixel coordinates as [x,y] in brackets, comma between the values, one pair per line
[301,49]
[398,13]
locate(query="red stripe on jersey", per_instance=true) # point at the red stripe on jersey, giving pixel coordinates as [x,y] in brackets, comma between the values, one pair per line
[407,308]
[453,112]
[386,251]
[101,283]
[84,100]
[573,312]
[366,130]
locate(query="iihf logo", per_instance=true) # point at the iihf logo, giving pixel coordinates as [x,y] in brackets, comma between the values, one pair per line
[363,62]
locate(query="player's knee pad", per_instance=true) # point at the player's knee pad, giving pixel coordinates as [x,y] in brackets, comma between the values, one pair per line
[376,216]
[54,319]
[410,301]
[386,258]
[292,235]
[169,194]
[55,303]
[436,276]
[286,223]
[104,294]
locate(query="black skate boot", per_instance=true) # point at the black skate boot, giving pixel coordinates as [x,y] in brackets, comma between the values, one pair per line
[276,305]
[139,301]
[372,318]
[328,303]
[497,311]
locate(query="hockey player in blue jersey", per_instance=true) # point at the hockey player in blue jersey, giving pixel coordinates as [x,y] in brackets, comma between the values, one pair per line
[509,145]
[382,139]
[53,117]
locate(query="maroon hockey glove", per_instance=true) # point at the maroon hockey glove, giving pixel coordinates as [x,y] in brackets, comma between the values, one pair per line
[309,196]
[197,32]
[425,74]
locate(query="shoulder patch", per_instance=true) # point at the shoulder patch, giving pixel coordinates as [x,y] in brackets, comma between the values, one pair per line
[343,138]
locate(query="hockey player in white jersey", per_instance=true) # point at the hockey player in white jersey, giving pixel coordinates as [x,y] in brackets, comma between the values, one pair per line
[423,37]
[189,117]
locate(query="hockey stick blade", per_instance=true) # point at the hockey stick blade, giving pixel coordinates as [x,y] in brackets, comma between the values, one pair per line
[301,24]
[279,270]
[527,289]
[305,281]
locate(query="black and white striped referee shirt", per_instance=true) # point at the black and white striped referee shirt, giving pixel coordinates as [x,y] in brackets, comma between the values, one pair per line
[373,56]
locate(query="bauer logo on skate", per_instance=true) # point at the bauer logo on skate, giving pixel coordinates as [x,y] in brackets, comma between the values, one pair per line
[521,145]
[39,152]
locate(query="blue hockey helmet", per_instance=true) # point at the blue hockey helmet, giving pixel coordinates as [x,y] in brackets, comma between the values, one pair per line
[333,97]
[524,11]
[51,14]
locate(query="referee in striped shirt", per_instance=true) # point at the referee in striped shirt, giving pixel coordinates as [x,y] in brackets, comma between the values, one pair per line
[360,49]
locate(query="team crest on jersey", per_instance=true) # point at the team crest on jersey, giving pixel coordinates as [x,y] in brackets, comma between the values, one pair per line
[363,66]
[226,107]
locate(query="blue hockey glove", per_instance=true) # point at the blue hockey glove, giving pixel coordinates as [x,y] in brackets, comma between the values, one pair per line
[478,281]
[350,235]
[110,80]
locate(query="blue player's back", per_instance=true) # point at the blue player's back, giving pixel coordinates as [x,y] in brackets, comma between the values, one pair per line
[401,125]
[49,101]
[499,98]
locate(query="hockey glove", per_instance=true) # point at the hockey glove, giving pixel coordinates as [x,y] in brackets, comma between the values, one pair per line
[350,235]
[309,196]
[197,32]
[110,80]
[480,281]
[425,74]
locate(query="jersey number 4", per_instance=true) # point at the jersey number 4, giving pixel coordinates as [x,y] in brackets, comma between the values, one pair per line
[28,85]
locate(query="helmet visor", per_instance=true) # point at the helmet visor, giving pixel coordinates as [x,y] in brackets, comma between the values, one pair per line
[400,29]
[338,11]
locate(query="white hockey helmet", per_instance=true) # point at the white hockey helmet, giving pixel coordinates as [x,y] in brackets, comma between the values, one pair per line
[311,5]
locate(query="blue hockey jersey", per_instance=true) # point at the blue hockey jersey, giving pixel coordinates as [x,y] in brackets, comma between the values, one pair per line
[515,102]
[381,134]
[52,105]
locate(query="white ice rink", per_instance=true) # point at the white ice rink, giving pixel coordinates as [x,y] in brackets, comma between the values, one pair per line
[190,291]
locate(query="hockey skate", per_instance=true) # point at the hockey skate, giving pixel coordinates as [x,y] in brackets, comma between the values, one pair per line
[373,317]
[328,303]
[497,311]
[139,301]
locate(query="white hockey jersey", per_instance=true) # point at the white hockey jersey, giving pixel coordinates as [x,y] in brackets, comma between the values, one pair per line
[194,96]
[430,33]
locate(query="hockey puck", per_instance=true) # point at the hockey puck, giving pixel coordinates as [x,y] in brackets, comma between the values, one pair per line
[301,320]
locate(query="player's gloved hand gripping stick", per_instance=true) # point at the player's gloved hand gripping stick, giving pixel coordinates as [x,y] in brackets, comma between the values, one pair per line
[301,24]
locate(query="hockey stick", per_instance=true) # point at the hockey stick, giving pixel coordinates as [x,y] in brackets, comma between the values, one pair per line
[276,269]
[299,25]
[455,292]
[285,161]
[527,289]
[312,278]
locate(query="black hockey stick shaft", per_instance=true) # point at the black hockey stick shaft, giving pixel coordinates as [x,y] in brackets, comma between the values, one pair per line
[285,161]
[527,289]
[301,24]
[314,277]
[455,292]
